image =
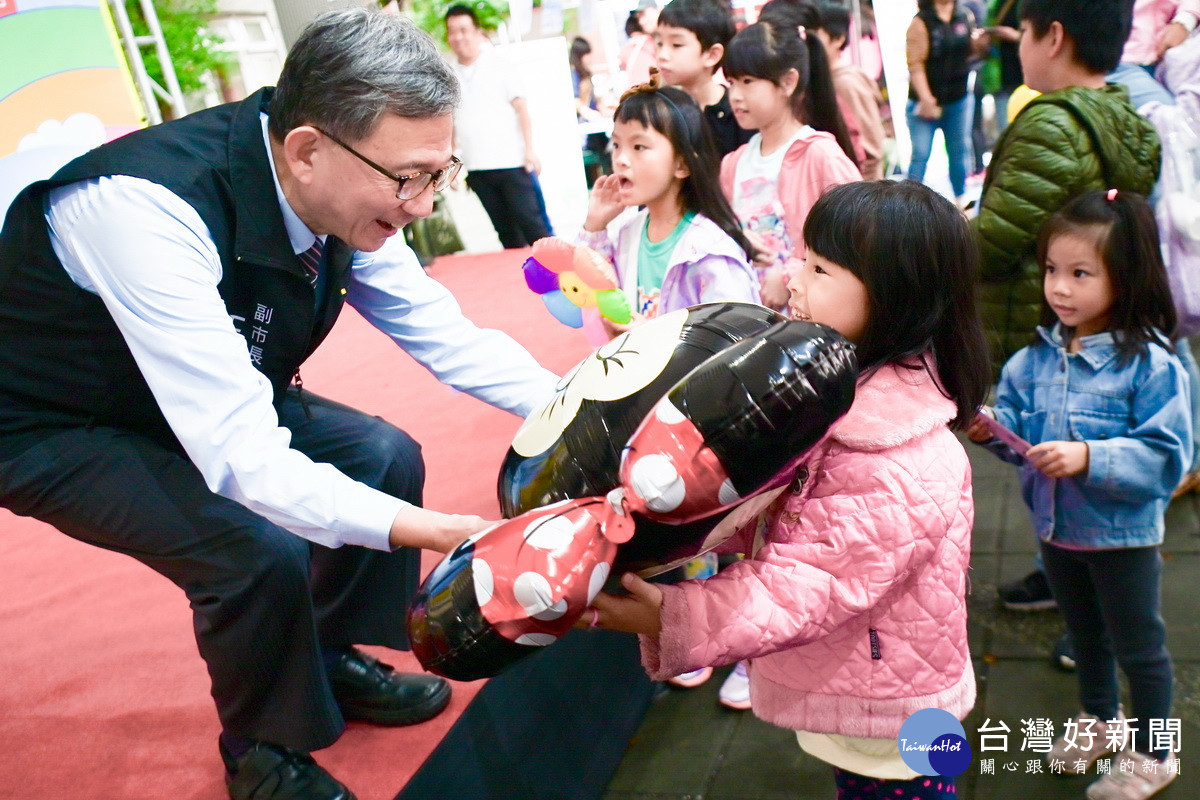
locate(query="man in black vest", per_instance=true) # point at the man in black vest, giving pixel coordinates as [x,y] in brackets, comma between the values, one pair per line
[157,297]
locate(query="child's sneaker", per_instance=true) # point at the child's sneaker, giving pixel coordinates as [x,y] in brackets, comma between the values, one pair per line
[1090,739]
[1134,776]
[690,680]
[735,691]
[1031,593]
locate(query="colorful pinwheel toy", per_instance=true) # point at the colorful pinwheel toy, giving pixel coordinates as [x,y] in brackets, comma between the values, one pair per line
[571,278]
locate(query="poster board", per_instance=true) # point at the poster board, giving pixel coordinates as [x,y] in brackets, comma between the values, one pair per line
[64,87]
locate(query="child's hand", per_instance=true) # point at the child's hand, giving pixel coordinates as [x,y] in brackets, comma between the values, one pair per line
[1059,459]
[604,204]
[774,291]
[615,329]
[637,612]
[979,432]
[1172,35]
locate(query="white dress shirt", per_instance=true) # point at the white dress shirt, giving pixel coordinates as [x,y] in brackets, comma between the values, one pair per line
[150,258]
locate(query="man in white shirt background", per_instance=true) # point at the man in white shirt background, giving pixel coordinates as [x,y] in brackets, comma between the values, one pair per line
[160,294]
[494,135]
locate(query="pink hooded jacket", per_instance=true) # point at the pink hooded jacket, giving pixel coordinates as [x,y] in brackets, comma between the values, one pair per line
[811,165]
[854,608]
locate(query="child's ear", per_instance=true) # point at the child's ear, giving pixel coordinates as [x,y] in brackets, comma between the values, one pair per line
[1058,39]
[789,80]
[681,168]
[712,56]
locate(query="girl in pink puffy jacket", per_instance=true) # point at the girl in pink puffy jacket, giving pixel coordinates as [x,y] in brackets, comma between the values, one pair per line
[850,601]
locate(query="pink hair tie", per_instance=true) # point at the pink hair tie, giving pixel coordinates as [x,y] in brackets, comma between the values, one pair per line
[1112,195]
[800,29]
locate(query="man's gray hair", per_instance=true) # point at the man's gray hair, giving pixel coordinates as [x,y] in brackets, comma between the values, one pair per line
[351,66]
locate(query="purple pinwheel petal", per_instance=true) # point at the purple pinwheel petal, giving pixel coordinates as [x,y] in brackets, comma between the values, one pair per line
[538,278]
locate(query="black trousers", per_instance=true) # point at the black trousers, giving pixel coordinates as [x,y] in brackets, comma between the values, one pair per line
[1111,601]
[513,203]
[264,601]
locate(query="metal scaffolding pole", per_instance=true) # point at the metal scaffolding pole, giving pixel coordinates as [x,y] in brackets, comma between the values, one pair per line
[148,88]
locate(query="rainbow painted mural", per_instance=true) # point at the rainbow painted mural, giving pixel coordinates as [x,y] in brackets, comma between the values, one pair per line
[64,87]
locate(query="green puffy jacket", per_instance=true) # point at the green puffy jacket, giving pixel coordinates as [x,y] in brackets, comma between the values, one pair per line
[1061,144]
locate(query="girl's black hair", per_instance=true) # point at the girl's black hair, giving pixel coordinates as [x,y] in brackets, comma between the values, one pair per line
[918,258]
[633,24]
[673,113]
[835,20]
[1126,237]
[773,45]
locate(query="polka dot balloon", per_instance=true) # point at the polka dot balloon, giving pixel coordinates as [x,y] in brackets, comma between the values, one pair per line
[732,428]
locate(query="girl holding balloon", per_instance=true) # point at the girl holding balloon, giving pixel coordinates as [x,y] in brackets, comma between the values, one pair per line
[850,603]
[684,247]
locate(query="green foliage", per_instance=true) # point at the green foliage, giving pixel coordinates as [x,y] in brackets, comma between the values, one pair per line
[429,15]
[194,51]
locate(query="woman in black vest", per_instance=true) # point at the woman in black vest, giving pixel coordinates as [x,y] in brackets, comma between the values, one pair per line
[941,41]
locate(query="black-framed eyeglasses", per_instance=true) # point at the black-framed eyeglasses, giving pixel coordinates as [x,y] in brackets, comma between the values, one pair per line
[407,186]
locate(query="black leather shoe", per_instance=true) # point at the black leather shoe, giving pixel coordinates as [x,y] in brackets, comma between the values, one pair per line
[371,691]
[271,772]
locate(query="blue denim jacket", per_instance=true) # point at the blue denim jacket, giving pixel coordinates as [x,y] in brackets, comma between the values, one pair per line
[1135,418]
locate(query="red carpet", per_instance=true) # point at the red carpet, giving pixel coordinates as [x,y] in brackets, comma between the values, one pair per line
[102,694]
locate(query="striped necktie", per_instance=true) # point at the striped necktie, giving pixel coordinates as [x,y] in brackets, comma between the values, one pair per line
[310,259]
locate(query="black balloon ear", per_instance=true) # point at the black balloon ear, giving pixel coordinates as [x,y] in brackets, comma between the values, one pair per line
[759,406]
[765,401]
[585,460]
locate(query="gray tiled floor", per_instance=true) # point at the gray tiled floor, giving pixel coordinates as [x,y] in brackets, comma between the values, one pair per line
[690,747]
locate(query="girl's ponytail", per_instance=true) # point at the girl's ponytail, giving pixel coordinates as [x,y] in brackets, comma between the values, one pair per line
[817,101]
[821,109]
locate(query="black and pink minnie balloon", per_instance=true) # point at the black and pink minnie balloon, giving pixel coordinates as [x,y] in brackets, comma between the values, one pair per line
[737,426]
[572,446]
[732,427]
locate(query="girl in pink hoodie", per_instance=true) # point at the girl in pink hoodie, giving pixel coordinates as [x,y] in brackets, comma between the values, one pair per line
[779,84]
[850,602]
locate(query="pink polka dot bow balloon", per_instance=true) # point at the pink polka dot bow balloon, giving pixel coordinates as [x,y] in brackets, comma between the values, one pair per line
[732,428]
[570,278]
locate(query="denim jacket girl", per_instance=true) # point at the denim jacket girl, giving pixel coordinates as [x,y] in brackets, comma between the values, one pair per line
[1134,415]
